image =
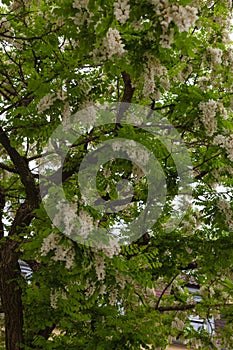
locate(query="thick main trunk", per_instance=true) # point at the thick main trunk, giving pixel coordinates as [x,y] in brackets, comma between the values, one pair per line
[11,294]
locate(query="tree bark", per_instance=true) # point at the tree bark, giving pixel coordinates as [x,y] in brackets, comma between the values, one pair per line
[11,296]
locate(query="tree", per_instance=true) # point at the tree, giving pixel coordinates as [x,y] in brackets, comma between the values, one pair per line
[173,59]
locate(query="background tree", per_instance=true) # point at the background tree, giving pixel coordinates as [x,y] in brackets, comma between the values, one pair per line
[58,58]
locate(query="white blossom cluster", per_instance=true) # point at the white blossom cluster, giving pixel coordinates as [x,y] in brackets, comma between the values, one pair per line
[121,280]
[113,43]
[61,252]
[113,296]
[54,299]
[183,17]
[80,4]
[204,83]
[81,18]
[50,243]
[225,142]
[222,110]
[224,170]
[178,324]
[88,114]
[134,151]
[46,102]
[66,113]
[121,10]
[138,154]
[184,73]
[66,254]
[62,95]
[167,39]
[113,248]
[228,57]
[66,217]
[54,295]
[99,266]
[154,69]
[190,225]
[208,117]
[5,26]
[225,208]
[86,224]
[196,343]
[215,55]
[90,288]
[102,289]
[17,4]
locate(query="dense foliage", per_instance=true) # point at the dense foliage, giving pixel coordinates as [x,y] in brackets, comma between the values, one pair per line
[174,58]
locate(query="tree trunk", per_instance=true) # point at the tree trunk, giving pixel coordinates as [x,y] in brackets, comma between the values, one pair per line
[11,296]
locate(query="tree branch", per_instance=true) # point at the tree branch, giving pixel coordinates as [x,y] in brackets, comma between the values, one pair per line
[164,291]
[8,168]
[22,168]
[2,205]
[127,96]
[176,307]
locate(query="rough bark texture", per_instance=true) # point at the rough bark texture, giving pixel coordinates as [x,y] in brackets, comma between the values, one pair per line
[11,293]
[11,296]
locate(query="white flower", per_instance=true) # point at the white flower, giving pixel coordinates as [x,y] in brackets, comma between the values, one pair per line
[53,299]
[66,254]
[61,252]
[196,343]
[46,102]
[113,296]
[50,243]
[222,110]
[167,39]
[117,146]
[99,266]
[112,249]
[65,217]
[178,324]
[62,95]
[215,55]
[87,114]
[154,69]
[121,280]
[219,140]
[225,207]
[102,289]
[121,10]
[225,142]
[229,147]
[80,4]
[5,26]
[183,17]
[86,224]
[90,288]
[113,43]
[137,153]
[66,112]
[203,83]
[208,117]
